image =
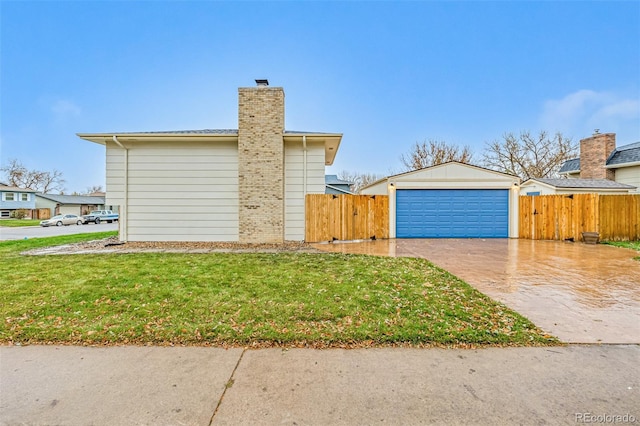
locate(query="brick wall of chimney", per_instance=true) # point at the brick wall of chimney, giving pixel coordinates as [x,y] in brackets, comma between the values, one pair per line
[261,164]
[594,152]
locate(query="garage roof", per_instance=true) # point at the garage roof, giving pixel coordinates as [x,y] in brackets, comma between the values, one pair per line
[456,169]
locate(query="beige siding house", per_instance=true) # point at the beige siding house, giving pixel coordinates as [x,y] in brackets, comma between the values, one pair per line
[601,168]
[245,185]
[69,204]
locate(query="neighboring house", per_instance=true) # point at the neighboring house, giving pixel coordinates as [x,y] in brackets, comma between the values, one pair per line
[600,159]
[333,185]
[69,204]
[539,186]
[246,185]
[450,200]
[12,198]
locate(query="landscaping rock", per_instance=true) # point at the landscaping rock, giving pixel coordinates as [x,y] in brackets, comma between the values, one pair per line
[113,245]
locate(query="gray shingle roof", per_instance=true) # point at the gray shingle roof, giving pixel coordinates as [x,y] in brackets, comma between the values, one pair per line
[333,180]
[73,199]
[625,154]
[4,187]
[584,183]
[340,190]
[572,165]
[621,155]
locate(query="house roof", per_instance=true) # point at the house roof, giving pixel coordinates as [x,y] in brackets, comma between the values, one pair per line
[621,156]
[569,166]
[337,188]
[449,163]
[582,183]
[73,199]
[4,187]
[498,175]
[333,180]
[331,140]
[438,166]
[624,155]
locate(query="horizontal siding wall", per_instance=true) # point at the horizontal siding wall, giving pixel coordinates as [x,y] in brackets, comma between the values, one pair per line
[115,175]
[629,176]
[294,210]
[182,192]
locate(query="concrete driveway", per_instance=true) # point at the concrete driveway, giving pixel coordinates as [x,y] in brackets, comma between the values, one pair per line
[580,293]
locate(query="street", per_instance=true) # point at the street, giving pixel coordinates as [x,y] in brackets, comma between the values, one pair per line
[26,232]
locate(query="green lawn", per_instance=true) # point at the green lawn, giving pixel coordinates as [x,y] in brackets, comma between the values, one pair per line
[291,299]
[634,245]
[14,223]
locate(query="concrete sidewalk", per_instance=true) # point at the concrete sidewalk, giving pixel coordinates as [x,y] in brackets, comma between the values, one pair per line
[66,385]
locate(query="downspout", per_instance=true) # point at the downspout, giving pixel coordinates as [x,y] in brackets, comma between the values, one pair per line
[304,165]
[304,181]
[124,224]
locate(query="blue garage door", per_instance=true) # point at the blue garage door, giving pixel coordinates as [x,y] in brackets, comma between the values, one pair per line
[452,213]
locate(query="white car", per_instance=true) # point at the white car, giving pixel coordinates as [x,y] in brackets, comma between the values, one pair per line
[62,219]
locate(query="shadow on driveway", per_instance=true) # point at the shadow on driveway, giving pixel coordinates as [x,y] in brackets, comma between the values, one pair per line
[580,293]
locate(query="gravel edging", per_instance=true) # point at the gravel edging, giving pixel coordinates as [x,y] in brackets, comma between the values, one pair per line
[113,245]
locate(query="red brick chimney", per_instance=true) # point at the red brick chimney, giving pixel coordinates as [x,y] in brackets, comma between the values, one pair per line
[594,152]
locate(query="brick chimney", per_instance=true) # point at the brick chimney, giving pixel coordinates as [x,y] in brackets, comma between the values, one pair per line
[261,163]
[594,152]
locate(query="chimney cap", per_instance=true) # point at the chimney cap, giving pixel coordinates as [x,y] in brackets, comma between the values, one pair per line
[263,82]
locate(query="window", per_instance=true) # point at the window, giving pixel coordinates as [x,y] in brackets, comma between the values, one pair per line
[9,196]
[533,193]
[5,214]
[24,197]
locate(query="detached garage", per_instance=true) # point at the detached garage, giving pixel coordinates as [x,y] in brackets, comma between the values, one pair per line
[451,200]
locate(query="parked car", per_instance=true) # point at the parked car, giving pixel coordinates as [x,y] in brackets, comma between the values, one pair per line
[98,216]
[62,219]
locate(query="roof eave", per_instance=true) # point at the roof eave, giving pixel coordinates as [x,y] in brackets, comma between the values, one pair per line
[103,138]
[526,183]
[621,165]
[331,140]
[331,143]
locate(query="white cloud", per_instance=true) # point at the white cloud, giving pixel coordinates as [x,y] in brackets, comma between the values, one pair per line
[580,113]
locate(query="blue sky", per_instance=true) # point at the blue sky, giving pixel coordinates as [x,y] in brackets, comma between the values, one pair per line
[385,74]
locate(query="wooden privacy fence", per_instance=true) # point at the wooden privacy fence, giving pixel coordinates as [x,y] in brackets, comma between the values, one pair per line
[41,214]
[562,217]
[331,217]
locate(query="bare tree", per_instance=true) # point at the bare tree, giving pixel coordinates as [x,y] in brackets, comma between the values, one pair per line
[431,153]
[95,188]
[19,176]
[359,180]
[529,156]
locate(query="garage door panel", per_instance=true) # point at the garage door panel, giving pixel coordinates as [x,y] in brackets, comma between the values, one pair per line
[452,213]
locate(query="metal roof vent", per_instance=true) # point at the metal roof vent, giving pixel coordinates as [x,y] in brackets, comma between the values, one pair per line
[264,82]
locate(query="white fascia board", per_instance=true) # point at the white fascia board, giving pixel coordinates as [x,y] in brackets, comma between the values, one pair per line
[619,166]
[103,138]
